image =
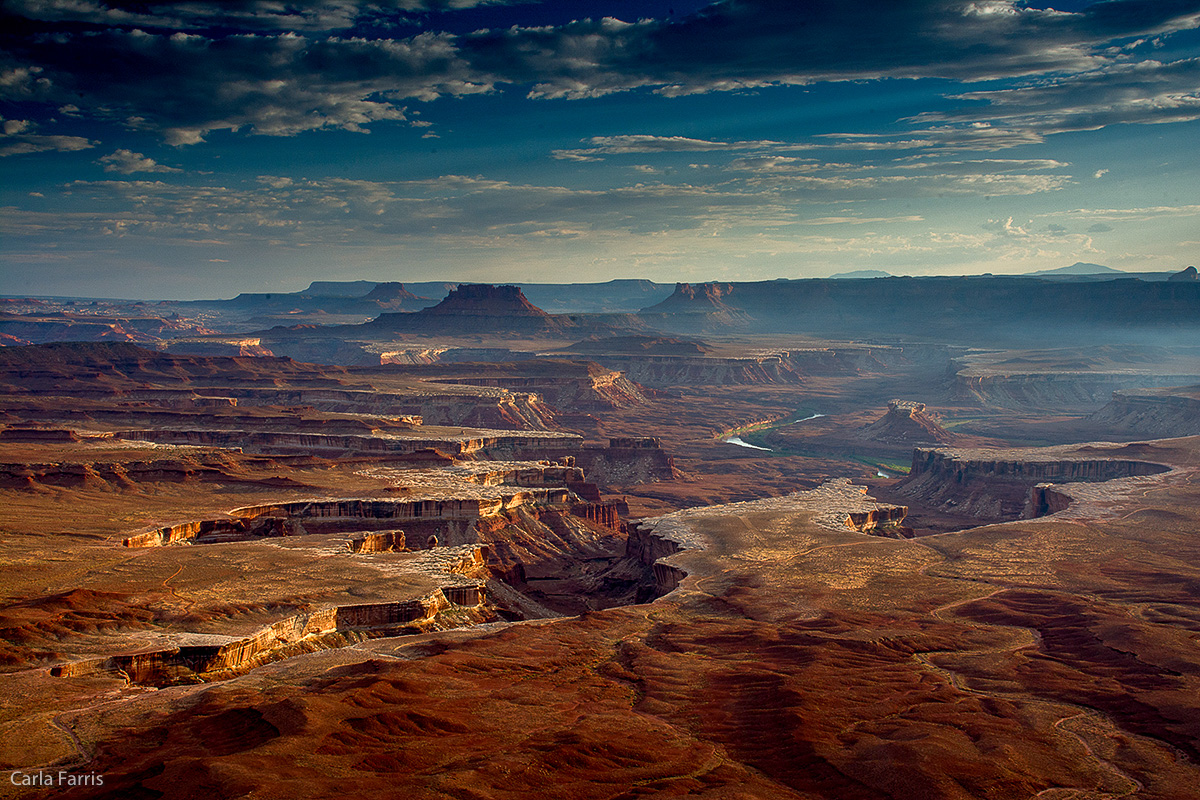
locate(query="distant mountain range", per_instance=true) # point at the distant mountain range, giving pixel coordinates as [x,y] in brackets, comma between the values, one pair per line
[620,295]
[1080,268]
[862,273]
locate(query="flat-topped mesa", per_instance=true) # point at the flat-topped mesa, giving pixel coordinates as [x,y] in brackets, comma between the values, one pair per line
[972,309]
[452,514]
[390,292]
[568,386]
[474,308]
[702,296]
[696,308]
[906,423]
[665,371]
[478,308]
[486,300]
[1025,464]
[38,435]
[640,345]
[1158,413]
[996,484]
[1082,389]
[667,362]
[207,657]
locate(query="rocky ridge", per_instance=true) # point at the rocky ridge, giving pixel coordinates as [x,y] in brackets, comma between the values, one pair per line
[906,423]
[995,484]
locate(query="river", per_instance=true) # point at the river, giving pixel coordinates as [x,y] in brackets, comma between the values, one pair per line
[740,442]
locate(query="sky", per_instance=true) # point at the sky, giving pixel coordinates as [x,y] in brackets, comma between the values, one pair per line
[197,149]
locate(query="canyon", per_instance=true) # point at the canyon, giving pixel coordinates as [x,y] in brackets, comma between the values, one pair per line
[476,548]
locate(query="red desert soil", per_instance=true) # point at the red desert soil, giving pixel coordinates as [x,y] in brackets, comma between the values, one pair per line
[798,657]
[1051,656]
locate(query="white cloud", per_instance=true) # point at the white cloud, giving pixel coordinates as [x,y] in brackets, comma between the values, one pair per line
[1132,214]
[908,178]
[265,15]
[646,143]
[127,162]
[1142,92]
[17,138]
[862,220]
[161,67]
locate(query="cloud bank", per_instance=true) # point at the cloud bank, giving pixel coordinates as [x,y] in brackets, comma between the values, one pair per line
[185,69]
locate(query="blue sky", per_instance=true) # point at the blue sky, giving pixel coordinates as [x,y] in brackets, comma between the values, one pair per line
[193,149]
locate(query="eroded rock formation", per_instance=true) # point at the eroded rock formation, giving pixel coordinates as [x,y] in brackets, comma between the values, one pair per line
[379,542]
[1167,412]
[484,308]
[906,423]
[996,484]
[1068,389]
[207,657]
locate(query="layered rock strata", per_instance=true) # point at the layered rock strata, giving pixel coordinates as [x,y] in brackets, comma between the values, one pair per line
[379,542]
[1066,389]
[1163,413]
[483,442]
[210,656]
[996,484]
[332,514]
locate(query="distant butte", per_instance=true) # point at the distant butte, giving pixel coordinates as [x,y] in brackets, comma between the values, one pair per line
[906,422]
[478,308]
[390,293]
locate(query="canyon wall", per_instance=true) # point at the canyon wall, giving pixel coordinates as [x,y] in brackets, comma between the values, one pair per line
[1054,390]
[647,546]
[314,516]
[997,484]
[627,460]
[288,442]
[215,657]
[498,408]
[1159,413]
